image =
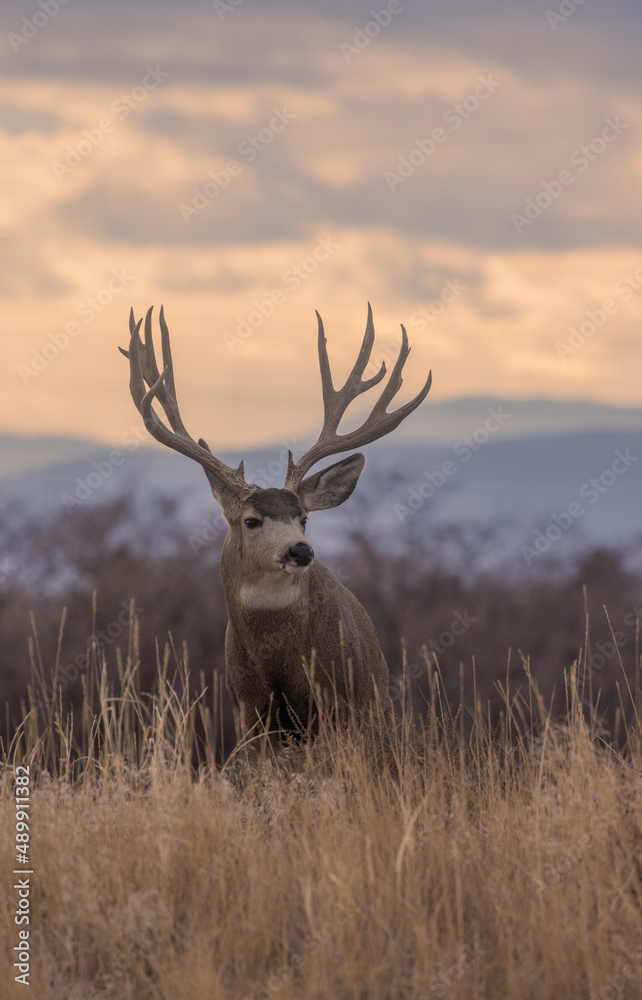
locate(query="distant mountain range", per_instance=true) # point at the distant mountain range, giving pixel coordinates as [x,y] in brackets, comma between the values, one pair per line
[438,424]
[525,478]
[445,422]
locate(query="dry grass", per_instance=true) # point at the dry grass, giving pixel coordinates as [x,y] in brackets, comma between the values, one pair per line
[411,863]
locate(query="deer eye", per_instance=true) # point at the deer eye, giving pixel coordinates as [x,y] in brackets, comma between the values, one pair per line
[304,521]
[252,522]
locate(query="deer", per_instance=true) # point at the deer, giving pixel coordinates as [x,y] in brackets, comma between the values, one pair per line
[297,639]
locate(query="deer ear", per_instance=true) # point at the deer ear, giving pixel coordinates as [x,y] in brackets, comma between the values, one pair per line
[221,492]
[331,486]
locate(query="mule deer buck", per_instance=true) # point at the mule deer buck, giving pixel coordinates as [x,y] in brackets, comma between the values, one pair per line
[296,635]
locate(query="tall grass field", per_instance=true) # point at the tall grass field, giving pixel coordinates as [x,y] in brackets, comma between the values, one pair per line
[433,854]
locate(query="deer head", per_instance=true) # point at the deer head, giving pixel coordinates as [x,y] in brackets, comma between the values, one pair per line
[269,524]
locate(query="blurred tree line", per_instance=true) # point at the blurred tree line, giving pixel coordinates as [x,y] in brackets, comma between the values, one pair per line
[476,626]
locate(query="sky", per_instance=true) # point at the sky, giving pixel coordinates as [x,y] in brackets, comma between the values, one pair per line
[471,169]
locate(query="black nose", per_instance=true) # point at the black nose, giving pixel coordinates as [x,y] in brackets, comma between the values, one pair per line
[301,554]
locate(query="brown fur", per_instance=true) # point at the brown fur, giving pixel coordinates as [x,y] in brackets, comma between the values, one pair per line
[321,626]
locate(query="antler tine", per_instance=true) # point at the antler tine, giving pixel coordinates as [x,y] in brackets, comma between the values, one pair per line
[132,327]
[377,424]
[167,396]
[354,384]
[336,401]
[165,391]
[136,380]
[394,385]
[327,387]
[147,353]
[143,369]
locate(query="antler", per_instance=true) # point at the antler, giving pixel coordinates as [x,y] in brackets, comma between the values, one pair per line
[143,369]
[336,402]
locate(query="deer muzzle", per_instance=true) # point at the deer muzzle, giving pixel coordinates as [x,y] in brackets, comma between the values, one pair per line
[300,555]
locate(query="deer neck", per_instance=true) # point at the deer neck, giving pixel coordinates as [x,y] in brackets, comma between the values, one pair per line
[256,591]
[272,591]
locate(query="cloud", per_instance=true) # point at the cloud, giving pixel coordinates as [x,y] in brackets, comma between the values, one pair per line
[513,103]
[246,367]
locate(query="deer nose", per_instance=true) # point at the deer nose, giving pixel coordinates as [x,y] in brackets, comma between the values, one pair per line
[301,554]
